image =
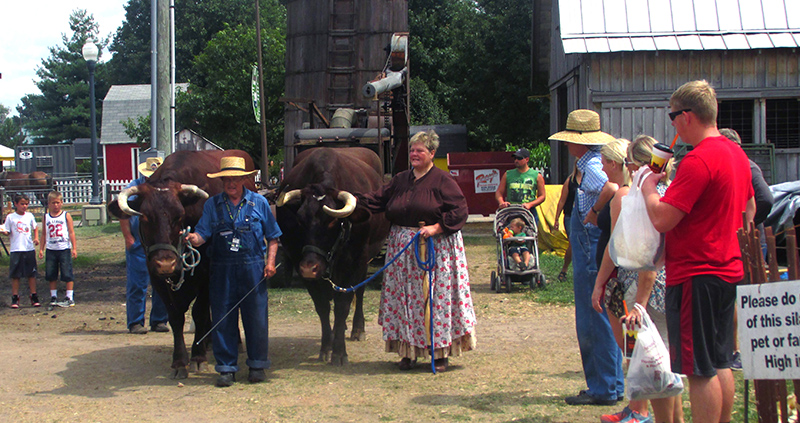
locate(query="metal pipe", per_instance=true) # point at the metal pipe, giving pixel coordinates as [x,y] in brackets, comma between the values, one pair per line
[153,74]
[172,74]
[391,81]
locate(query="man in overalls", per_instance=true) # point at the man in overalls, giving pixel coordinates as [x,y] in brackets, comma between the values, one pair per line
[237,221]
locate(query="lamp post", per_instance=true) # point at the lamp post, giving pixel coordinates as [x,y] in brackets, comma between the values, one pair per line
[90,53]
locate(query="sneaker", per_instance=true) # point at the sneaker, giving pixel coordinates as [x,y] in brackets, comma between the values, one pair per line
[67,303]
[256,375]
[583,398]
[53,301]
[635,417]
[616,417]
[225,380]
[35,300]
[736,365]
[15,301]
[137,329]
[160,327]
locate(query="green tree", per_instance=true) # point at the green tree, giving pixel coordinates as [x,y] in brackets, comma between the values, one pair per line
[10,128]
[62,110]
[138,129]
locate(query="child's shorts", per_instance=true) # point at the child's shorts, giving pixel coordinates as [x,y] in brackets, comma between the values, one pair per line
[518,249]
[56,260]
[22,264]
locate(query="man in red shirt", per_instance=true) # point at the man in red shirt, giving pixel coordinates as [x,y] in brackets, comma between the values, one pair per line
[700,214]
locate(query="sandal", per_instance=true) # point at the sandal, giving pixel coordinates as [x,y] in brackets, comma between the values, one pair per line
[562,277]
[407,364]
[440,364]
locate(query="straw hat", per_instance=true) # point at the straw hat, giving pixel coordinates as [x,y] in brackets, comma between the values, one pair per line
[231,166]
[148,167]
[583,127]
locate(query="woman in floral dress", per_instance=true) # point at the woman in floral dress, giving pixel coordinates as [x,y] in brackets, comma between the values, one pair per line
[426,194]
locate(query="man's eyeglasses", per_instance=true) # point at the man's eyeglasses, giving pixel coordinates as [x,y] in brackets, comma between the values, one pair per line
[673,115]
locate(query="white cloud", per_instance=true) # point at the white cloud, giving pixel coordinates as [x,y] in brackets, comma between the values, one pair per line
[28,29]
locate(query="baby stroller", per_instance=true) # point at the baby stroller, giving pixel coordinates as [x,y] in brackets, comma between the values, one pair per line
[507,271]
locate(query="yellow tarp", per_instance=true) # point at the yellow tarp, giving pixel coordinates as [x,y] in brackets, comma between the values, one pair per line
[557,241]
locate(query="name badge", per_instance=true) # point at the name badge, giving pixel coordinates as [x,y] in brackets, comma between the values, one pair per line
[235,244]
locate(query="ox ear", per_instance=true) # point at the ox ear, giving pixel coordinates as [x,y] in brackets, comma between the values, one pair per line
[359,215]
[113,207]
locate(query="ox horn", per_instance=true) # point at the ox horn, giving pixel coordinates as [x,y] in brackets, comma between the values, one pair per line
[349,205]
[286,197]
[193,190]
[122,200]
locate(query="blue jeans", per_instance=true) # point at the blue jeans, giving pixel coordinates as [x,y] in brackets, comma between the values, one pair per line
[136,290]
[601,357]
[229,284]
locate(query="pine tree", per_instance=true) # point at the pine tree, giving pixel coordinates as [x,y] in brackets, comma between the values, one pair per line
[62,111]
[10,129]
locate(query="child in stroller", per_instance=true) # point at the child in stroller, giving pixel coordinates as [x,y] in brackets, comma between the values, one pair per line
[518,251]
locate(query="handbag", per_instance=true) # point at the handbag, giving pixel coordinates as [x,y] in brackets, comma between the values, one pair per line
[615,295]
[649,372]
[635,244]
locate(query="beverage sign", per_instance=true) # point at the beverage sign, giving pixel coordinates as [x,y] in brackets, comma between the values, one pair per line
[769,330]
[486,180]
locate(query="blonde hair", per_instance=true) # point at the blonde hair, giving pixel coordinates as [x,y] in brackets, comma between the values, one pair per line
[700,97]
[516,222]
[616,151]
[53,195]
[429,139]
[641,150]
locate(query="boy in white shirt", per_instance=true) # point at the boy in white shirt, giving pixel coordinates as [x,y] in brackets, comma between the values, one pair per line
[24,235]
[58,237]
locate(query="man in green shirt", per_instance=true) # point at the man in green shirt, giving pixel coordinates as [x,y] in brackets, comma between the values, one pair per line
[521,185]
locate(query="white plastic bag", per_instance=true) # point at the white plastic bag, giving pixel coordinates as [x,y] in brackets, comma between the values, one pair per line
[635,243]
[649,373]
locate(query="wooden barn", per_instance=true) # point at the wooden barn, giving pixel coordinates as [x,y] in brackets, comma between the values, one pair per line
[332,49]
[625,58]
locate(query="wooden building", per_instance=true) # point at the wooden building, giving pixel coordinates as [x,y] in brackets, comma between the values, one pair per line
[625,58]
[333,48]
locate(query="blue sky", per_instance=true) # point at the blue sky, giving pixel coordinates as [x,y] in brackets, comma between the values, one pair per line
[28,28]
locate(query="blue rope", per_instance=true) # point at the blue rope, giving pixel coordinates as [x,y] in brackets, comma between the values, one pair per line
[375,275]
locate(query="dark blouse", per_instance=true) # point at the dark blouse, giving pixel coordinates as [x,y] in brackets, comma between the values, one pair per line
[433,198]
[604,223]
[571,189]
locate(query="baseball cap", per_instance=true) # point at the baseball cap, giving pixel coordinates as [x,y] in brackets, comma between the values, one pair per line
[522,153]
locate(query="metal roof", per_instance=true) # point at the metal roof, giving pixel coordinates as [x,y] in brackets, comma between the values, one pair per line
[602,26]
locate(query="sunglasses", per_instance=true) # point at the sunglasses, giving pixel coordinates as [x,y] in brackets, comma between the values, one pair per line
[673,115]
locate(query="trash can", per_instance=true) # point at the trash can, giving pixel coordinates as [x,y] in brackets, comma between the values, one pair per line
[478,175]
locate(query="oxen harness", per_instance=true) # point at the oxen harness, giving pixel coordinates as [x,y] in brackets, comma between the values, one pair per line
[344,236]
[189,259]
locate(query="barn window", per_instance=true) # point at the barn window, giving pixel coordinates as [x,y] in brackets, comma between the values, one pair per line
[737,115]
[783,122]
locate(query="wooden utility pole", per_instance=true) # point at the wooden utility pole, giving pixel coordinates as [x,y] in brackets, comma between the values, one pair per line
[162,118]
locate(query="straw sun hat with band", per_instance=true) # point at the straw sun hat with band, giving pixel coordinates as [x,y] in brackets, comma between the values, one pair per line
[231,166]
[150,165]
[583,127]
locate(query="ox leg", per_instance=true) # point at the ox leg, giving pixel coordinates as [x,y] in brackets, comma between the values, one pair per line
[359,332]
[201,315]
[341,310]
[322,304]
[176,310]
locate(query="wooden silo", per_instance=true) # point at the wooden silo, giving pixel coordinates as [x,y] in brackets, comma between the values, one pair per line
[333,48]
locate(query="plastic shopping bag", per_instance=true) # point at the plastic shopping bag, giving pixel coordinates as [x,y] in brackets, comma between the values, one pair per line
[635,243]
[649,373]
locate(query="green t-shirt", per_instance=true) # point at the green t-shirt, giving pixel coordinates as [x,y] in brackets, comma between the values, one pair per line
[521,187]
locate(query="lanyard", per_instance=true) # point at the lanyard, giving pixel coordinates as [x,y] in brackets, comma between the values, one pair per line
[238,210]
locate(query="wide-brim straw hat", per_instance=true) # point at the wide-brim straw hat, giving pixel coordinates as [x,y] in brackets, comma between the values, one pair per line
[583,127]
[231,166]
[150,165]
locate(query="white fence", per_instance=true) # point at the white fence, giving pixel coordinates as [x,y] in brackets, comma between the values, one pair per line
[79,190]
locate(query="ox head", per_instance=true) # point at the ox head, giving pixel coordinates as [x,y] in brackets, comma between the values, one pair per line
[318,221]
[163,212]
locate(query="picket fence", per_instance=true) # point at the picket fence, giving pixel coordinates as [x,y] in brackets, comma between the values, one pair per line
[79,190]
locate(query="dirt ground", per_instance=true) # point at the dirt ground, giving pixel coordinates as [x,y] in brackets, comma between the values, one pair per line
[81,365]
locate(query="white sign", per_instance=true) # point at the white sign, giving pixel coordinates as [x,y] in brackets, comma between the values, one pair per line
[769,330]
[26,154]
[486,180]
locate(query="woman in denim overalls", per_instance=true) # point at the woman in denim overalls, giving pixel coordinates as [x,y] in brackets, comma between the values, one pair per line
[237,221]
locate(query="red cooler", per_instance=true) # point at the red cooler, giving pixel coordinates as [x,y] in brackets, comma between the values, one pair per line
[478,174]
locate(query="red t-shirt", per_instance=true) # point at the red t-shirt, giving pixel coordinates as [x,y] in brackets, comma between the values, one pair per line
[712,187]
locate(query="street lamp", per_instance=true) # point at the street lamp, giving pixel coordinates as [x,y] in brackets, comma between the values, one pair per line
[90,53]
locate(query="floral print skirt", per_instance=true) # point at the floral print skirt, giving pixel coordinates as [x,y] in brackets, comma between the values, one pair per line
[404,306]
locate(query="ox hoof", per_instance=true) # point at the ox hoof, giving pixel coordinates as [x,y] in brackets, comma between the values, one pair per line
[180,373]
[198,367]
[358,335]
[325,356]
[339,360]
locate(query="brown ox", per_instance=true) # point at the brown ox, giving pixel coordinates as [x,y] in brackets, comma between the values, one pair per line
[170,200]
[328,238]
[38,182]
